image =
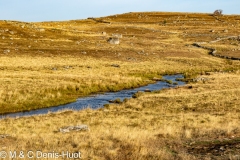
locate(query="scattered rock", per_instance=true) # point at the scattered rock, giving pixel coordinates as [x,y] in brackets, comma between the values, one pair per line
[6,51]
[67,67]
[234,58]
[208,73]
[214,52]
[189,87]
[105,110]
[104,33]
[147,90]
[11,32]
[4,135]
[169,85]
[82,127]
[156,79]
[117,35]
[115,65]
[212,31]
[200,79]
[113,40]
[131,59]
[175,83]
[222,148]
[118,101]
[137,94]
[225,30]
[54,69]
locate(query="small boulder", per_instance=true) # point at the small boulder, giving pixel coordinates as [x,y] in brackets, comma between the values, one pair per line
[214,51]
[118,101]
[208,73]
[6,51]
[82,127]
[113,40]
[4,135]
[147,90]
[189,87]
[11,32]
[115,65]
[41,29]
[156,79]
[54,69]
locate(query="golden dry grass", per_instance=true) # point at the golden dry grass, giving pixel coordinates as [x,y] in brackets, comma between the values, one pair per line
[50,63]
[35,82]
[159,125]
[72,59]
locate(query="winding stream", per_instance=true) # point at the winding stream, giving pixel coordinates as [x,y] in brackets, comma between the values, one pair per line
[98,100]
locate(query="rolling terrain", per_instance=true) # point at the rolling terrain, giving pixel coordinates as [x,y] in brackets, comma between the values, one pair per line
[45,64]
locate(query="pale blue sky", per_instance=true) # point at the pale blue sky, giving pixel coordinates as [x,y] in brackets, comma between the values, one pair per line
[57,10]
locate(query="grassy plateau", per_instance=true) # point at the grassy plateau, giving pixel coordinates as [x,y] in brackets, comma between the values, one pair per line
[44,64]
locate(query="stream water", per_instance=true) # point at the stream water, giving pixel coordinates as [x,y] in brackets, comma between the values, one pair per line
[98,100]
